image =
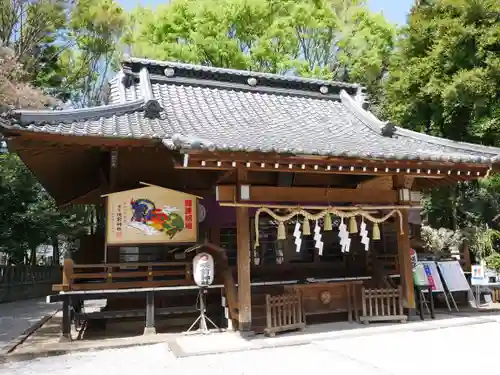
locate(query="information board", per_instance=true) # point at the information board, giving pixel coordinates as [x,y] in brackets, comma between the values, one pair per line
[432,275]
[453,276]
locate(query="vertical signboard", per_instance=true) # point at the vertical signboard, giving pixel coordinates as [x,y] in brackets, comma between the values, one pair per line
[151,215]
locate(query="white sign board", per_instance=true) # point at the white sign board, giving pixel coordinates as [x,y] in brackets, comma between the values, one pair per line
[478,276]
[453,276]
[433,277]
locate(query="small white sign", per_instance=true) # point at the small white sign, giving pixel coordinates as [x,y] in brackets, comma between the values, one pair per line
[478,275]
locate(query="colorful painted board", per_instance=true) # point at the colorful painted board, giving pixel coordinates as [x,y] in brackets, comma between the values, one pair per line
[453,276]
[419,275]
[151,215]
[432,275]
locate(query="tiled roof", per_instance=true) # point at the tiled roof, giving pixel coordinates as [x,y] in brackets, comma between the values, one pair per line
[225,110]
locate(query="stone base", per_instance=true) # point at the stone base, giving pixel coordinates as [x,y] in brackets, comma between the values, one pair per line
[149,331]
[63,338]
[246,334]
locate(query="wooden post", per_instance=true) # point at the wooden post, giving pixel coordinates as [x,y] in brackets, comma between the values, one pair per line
[67,276]
[66,320]
[150,328]
[243,255]
[405,269]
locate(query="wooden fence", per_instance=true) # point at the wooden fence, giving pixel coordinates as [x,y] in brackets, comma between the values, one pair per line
[24,282]
[284,313]
[382,305]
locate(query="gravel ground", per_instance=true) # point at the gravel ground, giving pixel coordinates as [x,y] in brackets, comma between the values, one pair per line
[16,317]
[458,350]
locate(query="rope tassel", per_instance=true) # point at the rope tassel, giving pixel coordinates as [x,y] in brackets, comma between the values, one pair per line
[375,232]
[353,225]
[281,231]
[306,228]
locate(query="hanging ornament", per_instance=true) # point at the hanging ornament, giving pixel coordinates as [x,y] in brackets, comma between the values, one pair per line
[256,257]
[297,234]
[375,232]
[343,235]
[317,237]
[306,229]
[364,234]
[281,231]
[353,226]
[327,223]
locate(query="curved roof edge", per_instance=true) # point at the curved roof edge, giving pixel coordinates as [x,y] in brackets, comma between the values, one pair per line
[27,117]
[377,125]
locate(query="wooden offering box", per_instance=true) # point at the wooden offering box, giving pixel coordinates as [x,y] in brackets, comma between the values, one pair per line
[327,298]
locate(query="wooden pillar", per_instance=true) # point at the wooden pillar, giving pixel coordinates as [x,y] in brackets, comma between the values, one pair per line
[150,328]
[243,257]
[405,268]
[66,320]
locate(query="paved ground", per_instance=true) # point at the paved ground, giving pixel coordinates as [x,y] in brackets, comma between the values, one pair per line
[16,317]
[456,350]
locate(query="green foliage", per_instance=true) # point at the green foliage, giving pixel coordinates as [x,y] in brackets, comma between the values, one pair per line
[66,48]
[328,39]
[29,216]
[444,77]
[483,241]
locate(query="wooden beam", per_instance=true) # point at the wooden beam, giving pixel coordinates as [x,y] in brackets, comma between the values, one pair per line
[256,159]
[243,259]
[227,193]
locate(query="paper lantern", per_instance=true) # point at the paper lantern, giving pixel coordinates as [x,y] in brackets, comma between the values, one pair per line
[375,232]
[353,225]
[327,223]
[306,229]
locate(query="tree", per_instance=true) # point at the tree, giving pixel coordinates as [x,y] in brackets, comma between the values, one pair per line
[335,39]
[445,74]
[15,91]
[444,80]
[66,48]
[95,28]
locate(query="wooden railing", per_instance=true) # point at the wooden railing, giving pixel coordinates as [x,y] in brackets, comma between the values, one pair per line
[123,275]
[284,313]
[382,305]
[23,282]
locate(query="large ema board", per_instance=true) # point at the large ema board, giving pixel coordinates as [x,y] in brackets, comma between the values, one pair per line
[151,215]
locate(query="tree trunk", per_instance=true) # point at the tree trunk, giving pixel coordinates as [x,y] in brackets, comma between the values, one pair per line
[453,197]
[33,257]
[55,250]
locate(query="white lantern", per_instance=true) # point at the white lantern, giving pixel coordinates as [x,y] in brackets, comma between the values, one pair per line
[203,269]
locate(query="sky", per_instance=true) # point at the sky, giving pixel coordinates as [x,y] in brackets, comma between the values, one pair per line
[394,10]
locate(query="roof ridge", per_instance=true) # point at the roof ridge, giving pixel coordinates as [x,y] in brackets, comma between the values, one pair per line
[25,117]
[237,72]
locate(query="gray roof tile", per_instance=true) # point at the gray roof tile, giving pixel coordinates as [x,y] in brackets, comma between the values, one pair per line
[233,119]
